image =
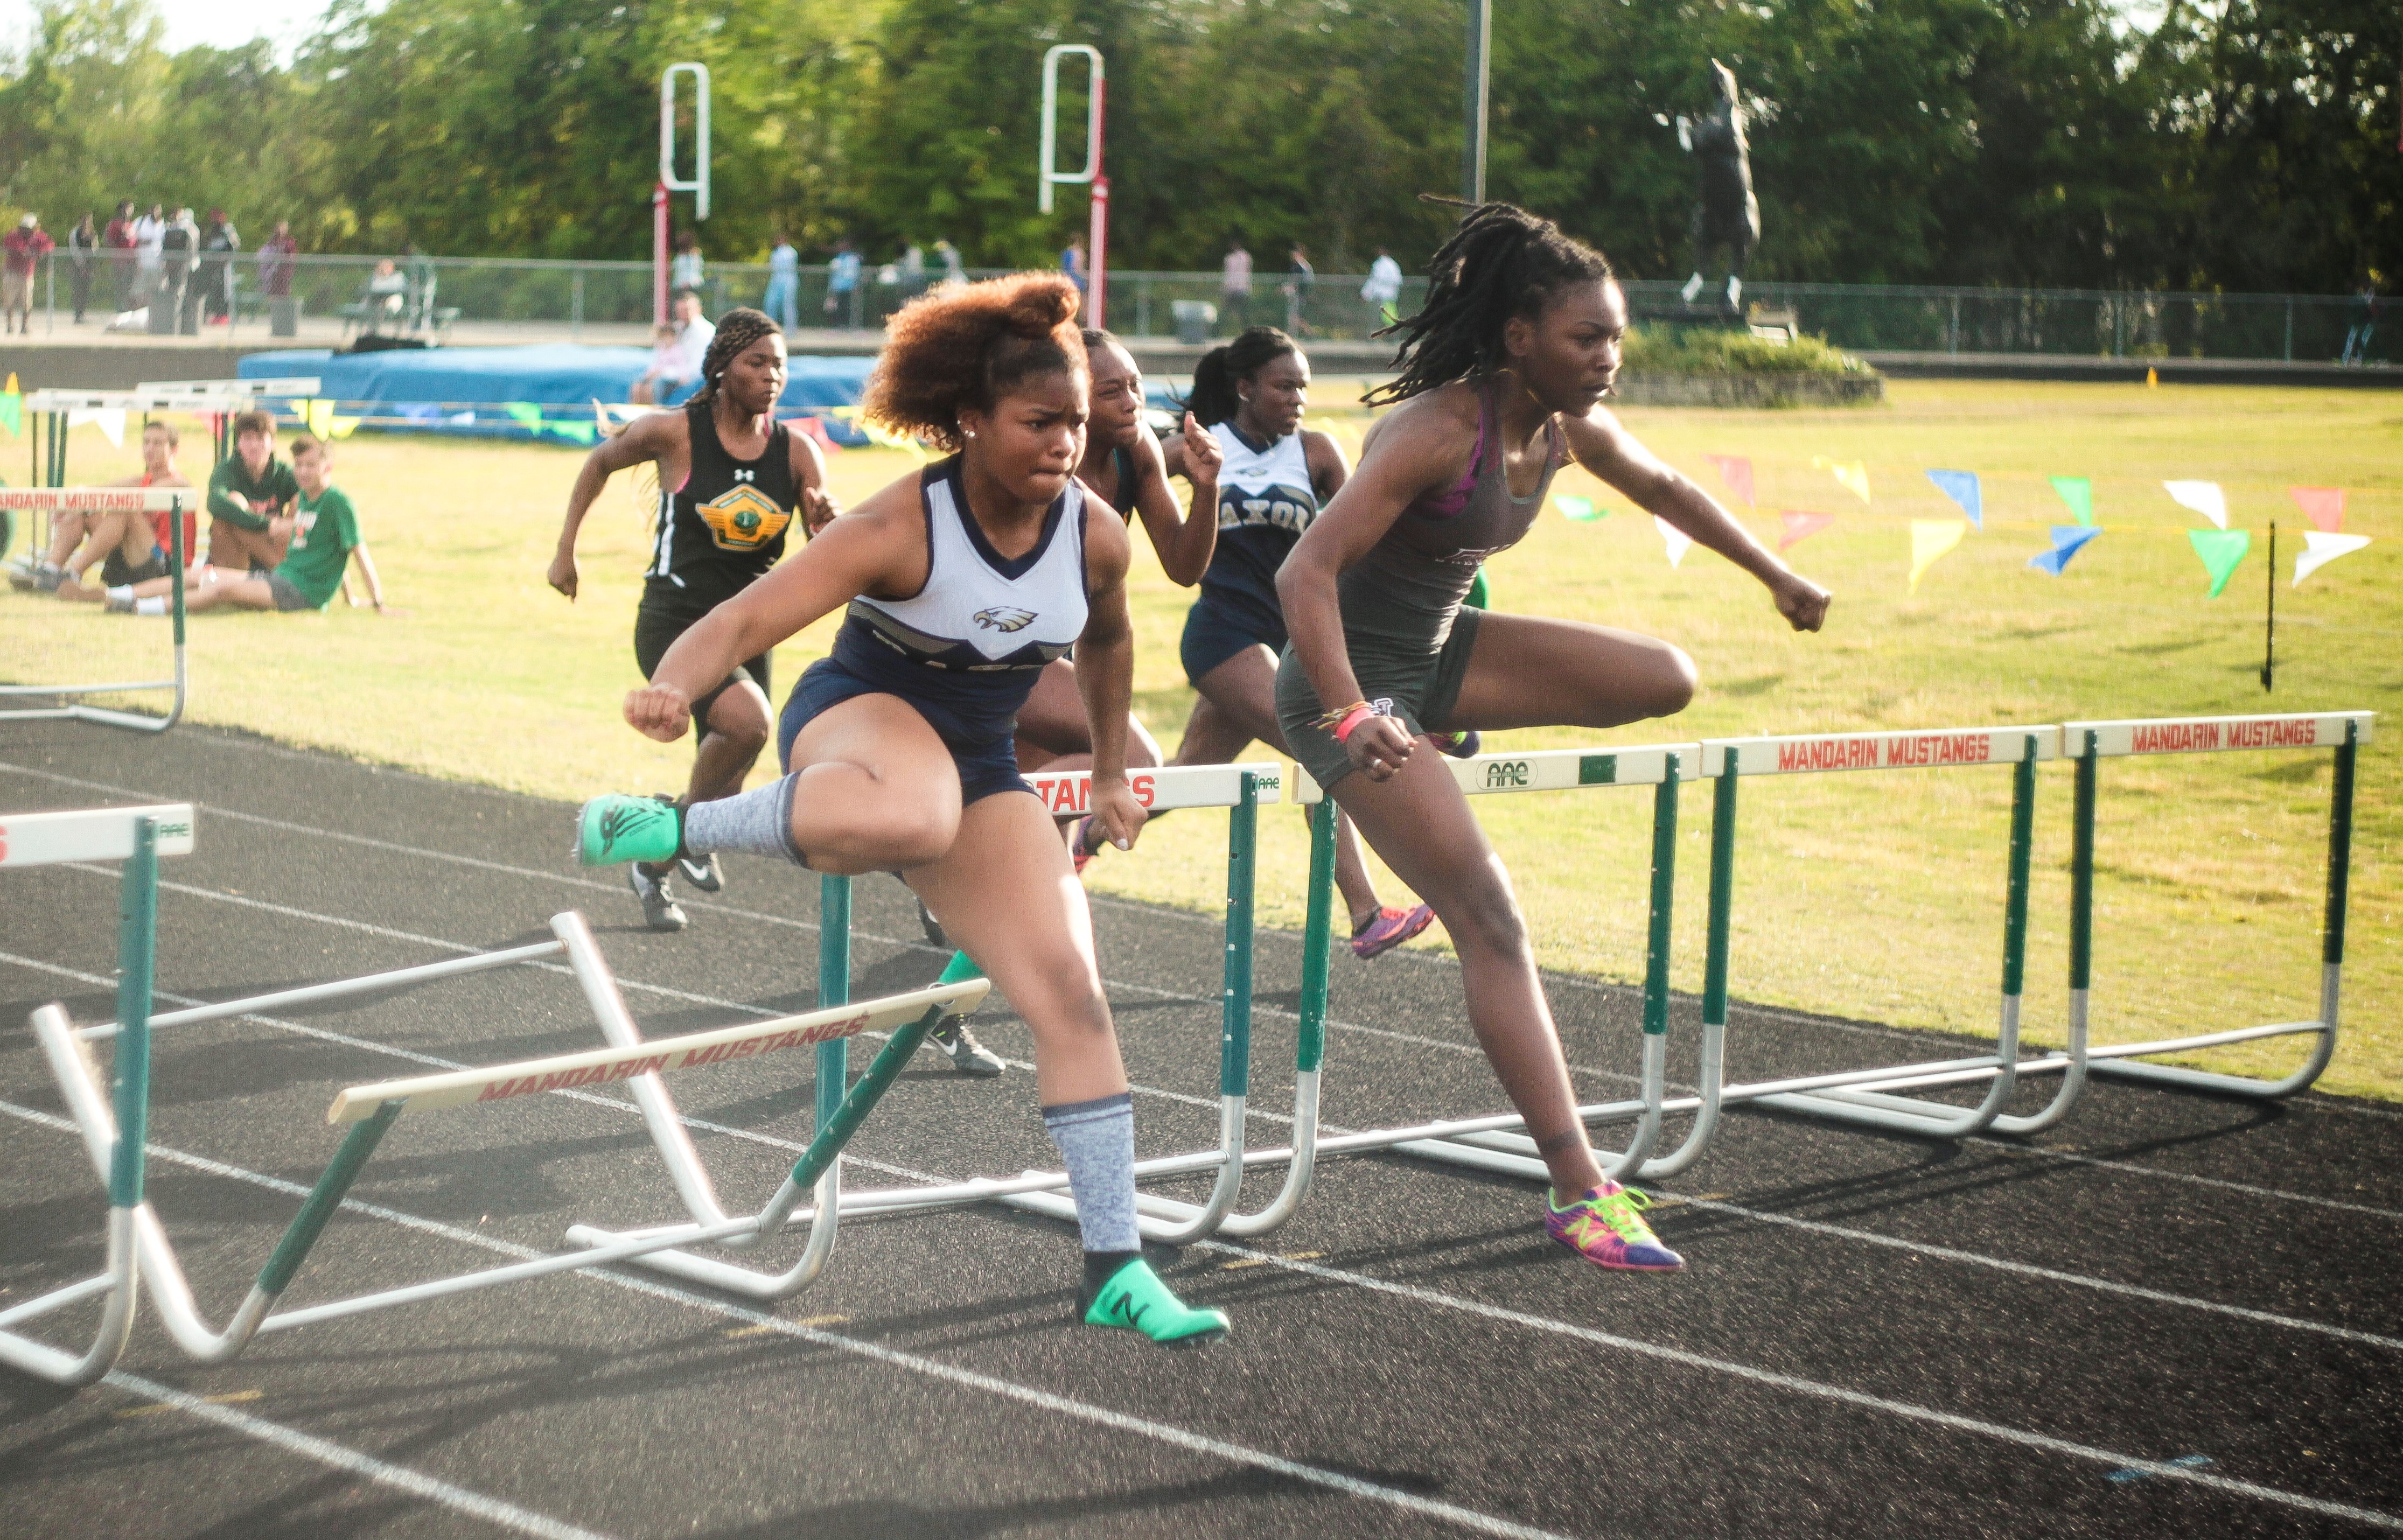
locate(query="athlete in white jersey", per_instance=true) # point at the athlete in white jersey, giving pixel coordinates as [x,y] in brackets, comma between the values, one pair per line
[962,580]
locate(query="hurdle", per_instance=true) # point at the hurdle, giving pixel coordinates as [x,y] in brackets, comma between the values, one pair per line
[1241,789]
[113,1119]
[2089,743]
[171,501]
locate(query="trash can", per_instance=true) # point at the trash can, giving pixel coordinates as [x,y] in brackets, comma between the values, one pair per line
[284,315]
[1194,319]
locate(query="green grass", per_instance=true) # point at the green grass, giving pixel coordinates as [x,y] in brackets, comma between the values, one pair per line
[1875,896]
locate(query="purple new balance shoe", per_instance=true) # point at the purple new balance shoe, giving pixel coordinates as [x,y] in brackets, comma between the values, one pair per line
[1606,1227]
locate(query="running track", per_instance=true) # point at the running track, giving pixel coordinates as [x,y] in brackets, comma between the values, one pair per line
[1877,1336]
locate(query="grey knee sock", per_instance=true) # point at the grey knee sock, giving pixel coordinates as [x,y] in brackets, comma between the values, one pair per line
[1096,1141]
[752,823]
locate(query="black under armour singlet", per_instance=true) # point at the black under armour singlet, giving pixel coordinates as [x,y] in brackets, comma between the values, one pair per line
[725,527]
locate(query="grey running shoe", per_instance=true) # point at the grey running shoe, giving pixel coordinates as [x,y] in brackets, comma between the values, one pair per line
[46,579]
[934,929]
[660,910]
[953,1040]
[702,876]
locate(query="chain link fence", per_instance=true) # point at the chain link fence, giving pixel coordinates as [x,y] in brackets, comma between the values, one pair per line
[322,300]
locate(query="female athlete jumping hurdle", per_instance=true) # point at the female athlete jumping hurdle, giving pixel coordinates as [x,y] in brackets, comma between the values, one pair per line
[962,580]
[1501,379]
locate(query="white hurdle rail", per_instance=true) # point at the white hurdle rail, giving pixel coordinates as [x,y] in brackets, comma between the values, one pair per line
[172,501]
[244,389]
[2088,743]
[1238,788]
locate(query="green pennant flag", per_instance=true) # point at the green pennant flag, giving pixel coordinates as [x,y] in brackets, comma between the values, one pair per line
[525,414]
[2078,492]
[2222,552]
[581,433]
[12,412]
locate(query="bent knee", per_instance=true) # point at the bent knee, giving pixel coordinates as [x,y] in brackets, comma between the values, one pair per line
[1484,916]
[1673,682]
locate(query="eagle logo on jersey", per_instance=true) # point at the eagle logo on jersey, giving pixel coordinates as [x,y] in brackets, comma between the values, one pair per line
[1003,618]
[743,518]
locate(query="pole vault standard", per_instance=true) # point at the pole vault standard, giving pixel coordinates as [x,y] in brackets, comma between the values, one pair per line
[1097,240]
[698,185]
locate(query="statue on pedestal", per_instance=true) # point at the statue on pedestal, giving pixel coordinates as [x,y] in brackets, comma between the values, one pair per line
[1727,214]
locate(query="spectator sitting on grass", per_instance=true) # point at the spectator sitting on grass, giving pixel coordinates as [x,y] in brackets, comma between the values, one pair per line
[675,367]
[322,533]
[129,548]
[250,494]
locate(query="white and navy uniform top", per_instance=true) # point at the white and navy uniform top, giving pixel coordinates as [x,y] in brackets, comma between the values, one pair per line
[966,647]
[725,527]
[1265,503]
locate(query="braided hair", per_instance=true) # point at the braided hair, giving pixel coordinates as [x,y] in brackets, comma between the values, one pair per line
[737,329]
[1214,398]
[1503,263]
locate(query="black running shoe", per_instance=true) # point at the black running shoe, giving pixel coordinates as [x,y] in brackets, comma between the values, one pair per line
[659,910]
[703,874]
[954,1041]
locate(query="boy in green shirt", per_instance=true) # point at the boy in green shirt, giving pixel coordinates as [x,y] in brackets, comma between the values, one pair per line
[247,494]
[320,539]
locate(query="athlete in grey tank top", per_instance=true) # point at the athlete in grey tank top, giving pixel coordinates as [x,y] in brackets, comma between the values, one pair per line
[1501,373]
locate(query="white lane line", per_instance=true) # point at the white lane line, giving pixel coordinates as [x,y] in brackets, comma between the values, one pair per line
[2025,1439]
[2130,1168]
[1042,1400]
[383,1472]
[1759,1216]
[1954,1421]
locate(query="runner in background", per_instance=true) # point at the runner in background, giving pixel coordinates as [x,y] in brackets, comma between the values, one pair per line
[1501,377]
[731,479]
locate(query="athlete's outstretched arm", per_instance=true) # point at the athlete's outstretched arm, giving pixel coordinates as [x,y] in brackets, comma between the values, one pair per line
[647,437]
[1185,540]
[866,552]
[1605,448]
[1417,456]
[1105,671]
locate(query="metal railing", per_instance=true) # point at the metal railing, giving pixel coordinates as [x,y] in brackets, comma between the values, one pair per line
[317,299]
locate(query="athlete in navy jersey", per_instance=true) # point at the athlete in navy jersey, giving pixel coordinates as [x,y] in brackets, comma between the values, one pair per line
[1273,478]
[962,580]
[732,480]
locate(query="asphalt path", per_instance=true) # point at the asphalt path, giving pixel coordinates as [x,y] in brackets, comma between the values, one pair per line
[2173,1314]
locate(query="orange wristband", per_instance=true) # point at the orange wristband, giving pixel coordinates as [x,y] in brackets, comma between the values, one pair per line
[1351,719]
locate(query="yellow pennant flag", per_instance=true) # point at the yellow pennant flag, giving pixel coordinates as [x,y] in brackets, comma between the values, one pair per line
[1930,538]
[1851,475]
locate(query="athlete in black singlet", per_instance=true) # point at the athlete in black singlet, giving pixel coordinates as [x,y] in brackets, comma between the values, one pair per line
[732,479]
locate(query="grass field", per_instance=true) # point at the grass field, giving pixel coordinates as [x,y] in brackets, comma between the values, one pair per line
[1877,896]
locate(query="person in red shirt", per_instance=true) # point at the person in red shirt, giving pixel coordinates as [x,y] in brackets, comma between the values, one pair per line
[121,241]
[23,248]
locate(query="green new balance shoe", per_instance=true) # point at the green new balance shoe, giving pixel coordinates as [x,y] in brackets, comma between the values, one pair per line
[629,828]
[1134,1299]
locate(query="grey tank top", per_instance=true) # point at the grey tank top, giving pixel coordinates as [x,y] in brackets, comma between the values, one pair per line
[1405,593]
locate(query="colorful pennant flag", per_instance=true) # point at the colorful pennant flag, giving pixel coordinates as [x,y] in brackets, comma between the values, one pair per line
[2323,547]
[12,412]
[2203,497]
[1736,471]
[1800,525]
[2067,541]
[1578,510]
[1852,476]
[1929,539]
[110,420]
[814,430]
[1677,540]
[2323,505]
[525,414]
[2078,492]
[1962,487]
[2222,552]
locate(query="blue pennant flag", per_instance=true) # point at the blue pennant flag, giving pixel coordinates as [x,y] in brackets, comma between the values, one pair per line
[2067,541]
[1962,487]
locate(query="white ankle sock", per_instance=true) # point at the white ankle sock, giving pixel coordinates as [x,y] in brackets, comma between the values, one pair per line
[150,607]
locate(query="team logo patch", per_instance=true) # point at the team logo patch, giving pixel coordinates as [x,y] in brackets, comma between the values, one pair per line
[1003,617]
[743,518]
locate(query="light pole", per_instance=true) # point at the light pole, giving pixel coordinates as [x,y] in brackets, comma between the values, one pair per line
[698,185]
[1472,149]
[1097,240]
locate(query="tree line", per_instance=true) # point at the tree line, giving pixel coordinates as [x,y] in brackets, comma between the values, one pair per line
[2240,145]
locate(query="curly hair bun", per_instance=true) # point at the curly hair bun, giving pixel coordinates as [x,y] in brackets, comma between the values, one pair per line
[966,348]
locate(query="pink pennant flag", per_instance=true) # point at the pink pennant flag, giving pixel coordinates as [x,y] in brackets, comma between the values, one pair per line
[1802,524]
[1736,471]
[2323,505]
[813,428]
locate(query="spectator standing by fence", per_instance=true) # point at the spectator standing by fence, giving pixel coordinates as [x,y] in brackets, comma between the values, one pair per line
[275,264]
[218,244]
[2363,327]
[121,243]
[179,244]
[842,284]
[782,300]
[953,270]
[25,246]
[1299,276]
[1235,287]
[1383,291]
[685,267]
[1072,263]
[149,232]
[83,254]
